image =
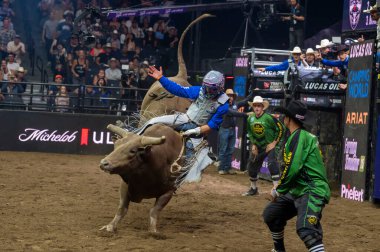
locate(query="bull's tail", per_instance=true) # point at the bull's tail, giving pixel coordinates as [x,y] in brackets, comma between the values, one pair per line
[182,72]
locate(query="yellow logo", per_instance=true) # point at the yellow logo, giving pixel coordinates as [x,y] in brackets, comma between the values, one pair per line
[258,129]
[287,158]
[312,220]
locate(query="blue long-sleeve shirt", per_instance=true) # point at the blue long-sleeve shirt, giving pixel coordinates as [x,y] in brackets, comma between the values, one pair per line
[336,63]
[280,67]
[193,93]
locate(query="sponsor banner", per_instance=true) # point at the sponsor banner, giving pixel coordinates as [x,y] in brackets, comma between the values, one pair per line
[353,17]
[56,132]
[356,121]
[241,72]
[376,189]
[321,86]
[257,73]
[270,84]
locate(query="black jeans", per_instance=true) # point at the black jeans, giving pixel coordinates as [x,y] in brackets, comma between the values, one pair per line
[254,165]
[308,209]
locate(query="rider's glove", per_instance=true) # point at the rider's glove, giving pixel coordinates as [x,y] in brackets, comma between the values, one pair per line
[196,132]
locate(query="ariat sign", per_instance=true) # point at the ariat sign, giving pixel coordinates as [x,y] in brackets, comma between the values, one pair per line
[45,135]
[352,193]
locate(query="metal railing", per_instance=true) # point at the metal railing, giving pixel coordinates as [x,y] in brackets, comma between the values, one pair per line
[105,100]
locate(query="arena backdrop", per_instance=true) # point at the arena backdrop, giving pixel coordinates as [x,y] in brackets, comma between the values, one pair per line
[55,132]
[356,121]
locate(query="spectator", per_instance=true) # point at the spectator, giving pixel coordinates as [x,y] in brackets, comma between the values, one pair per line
[20,75]
[105,57]
[114,40]
[12,65]
[97,32]
[53,90]
[137,33]
[97,49]
[143,73]
[114,24]
[4,70]
[79,68]
[11,92]
[101,75]
[73,44]
[124,57]
[342,63]
[309,59]
[227,135]
[6,35]
[16,47]
[58,54]
[113,72]
[131,45]
[62,100]
[296,24]
[49,31]
[65,27]
[5,10]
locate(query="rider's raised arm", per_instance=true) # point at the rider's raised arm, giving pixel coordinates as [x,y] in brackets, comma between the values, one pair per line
[217,119]
[178,90]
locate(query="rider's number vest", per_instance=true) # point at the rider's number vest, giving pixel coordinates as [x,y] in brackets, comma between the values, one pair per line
[202,109]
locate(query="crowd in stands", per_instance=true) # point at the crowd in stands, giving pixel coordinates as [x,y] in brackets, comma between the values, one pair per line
[104,53]
[99,59]
[12,51]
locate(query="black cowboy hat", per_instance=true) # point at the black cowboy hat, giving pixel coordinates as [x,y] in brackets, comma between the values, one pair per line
[298,111]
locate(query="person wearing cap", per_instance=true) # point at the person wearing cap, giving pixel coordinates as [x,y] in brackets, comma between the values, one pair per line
[325,47]
[303,189]
[20,75]
[227,134]
[342,61]
[296,59]
[65,28]
[262,129]
[308,60]
[373,11]
[16,47]
[296,24]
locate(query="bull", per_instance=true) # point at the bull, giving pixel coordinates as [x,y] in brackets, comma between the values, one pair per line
[144,164]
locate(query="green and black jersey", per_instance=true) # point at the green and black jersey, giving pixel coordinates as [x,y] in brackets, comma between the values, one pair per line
[304,170]
[263,130]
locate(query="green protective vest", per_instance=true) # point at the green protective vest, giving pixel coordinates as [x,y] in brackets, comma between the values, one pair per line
[303,170]
[264,130]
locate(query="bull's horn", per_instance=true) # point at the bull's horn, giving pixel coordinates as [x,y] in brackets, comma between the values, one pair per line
[152,140]
[117,130]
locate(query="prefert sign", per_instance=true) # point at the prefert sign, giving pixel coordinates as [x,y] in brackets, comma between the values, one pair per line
[352,193]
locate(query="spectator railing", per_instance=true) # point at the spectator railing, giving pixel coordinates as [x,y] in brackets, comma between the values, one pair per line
[126,101]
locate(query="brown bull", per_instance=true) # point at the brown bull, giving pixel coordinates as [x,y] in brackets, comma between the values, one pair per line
[157,100]
[144,164]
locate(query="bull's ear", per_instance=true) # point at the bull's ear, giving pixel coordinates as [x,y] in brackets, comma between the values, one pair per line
[144,151]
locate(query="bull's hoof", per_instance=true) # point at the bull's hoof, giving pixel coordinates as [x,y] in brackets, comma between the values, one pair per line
[108,228]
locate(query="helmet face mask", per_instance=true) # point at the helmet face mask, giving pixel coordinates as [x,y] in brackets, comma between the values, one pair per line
[213,84]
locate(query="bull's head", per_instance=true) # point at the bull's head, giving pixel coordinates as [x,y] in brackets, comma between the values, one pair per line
[130,151]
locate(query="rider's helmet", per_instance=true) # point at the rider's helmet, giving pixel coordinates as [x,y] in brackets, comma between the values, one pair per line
[213,84]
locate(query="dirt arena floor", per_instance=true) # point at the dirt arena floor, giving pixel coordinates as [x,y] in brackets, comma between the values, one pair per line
[52,202]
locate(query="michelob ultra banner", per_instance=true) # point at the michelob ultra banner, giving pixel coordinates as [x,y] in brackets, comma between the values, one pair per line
[356,121]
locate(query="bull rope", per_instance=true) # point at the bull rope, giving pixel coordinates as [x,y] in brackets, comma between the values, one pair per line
[175,164]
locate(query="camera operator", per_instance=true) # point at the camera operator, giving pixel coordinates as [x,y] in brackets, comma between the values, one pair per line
[129,82]
[296,24]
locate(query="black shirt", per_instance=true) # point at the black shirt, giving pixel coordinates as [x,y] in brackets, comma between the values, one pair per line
[299,11]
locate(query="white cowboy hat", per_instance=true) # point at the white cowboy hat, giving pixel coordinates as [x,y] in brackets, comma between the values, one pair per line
[21,70]
[371,9]
[310,51]
[296,50]
[259,100]
[324,43]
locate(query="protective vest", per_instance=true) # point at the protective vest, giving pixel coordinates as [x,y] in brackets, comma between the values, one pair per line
[202,109]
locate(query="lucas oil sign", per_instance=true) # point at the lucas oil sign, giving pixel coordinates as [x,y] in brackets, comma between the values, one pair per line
[321,86]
